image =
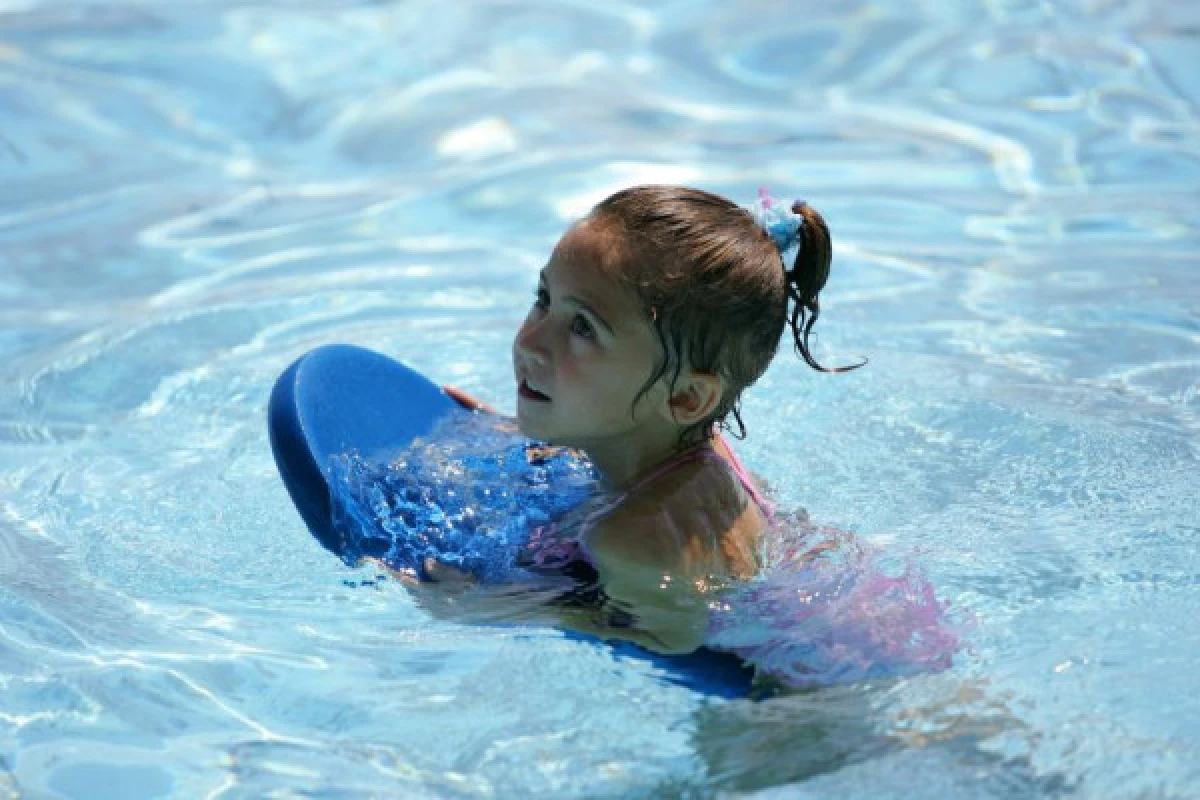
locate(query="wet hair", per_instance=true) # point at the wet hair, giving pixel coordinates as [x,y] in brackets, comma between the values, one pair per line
[713,285]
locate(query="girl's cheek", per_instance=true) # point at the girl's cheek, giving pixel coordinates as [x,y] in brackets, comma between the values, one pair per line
[585,356]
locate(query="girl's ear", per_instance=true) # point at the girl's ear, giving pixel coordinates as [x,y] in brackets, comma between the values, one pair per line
[696,396]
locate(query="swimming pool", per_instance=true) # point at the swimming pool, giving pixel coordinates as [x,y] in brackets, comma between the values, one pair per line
[191,196]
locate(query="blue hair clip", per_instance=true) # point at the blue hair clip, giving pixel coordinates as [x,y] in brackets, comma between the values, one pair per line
[778,220]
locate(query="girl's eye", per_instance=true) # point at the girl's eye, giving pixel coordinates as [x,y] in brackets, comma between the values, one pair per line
[581,327]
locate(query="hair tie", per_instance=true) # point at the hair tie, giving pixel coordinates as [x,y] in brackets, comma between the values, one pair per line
[778,220]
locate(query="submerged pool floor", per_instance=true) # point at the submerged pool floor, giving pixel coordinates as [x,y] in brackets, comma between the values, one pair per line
[191,195]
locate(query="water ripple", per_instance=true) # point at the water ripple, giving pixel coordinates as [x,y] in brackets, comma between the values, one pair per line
[192,195]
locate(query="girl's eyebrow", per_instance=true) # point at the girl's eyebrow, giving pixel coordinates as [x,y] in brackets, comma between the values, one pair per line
[570,298]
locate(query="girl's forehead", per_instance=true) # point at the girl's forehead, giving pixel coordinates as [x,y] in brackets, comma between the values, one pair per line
[587,255]
[591,243]
[586,265]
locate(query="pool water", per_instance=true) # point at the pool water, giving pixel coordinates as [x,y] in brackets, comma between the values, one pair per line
[193,194]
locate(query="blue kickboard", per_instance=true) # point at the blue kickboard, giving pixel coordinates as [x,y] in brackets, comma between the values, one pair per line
[340,398]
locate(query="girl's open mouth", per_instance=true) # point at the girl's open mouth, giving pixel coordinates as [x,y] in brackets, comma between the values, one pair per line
[531,394]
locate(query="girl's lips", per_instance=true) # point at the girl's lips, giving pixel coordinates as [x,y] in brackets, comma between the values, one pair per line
[532,394]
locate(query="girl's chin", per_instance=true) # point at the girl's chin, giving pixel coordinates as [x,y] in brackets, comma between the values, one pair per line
[529,427]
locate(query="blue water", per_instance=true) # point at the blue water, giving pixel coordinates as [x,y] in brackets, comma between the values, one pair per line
[193,194]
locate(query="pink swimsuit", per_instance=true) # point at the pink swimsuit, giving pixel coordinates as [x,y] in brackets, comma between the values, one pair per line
[547,550]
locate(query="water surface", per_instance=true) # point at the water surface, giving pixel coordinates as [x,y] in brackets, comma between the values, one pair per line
[193,194]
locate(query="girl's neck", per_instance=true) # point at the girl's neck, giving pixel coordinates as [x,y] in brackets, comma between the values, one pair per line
[622,467]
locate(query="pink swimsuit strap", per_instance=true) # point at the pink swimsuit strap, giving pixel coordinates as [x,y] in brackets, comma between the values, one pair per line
[555,553]
[764,505]
[696,454]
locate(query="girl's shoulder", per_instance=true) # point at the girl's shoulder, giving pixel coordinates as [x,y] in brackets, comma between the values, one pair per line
[694,521]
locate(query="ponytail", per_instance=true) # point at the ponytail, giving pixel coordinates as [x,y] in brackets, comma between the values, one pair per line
[807,278]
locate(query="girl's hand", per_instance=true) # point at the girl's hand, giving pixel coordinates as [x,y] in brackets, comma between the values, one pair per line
[435,572]
[438,572]
[472,403]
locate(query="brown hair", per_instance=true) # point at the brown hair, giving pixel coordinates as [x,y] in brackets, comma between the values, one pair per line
[714,286]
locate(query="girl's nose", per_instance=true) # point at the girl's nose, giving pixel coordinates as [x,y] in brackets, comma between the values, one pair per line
[529,346]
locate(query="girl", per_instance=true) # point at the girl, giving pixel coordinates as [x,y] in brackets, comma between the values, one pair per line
[652,316]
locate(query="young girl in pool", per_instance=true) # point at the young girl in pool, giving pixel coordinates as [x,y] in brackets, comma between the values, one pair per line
[652,316]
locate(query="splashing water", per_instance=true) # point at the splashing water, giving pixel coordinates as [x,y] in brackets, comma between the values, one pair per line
[467,495]
[826,608]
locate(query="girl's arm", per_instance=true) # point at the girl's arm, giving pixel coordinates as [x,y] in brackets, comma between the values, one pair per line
[639,566]
[454,595]
[468,401]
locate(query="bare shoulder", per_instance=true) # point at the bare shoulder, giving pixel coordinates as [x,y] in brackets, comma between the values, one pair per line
[695,522]
[634,538]
[643,576]
[655,552]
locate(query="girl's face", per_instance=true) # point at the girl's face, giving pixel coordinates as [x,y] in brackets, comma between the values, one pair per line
[584,352]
